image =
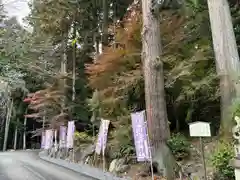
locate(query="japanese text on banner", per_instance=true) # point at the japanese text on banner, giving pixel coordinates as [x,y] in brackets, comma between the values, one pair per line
[43,139]
[62,136]
[70,134]
[102,137]
[48,139]
[140,135]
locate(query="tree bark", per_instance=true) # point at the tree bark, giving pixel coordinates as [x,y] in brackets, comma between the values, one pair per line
[226,57]
[2,131]
[8,119]
[74,65]
[64,68]
[15,135]
[24,133]
[105,22]
[20,142]
[154,92]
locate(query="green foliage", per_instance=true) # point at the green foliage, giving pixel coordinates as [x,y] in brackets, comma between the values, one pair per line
[220,161]
[32,60]
[234,111]
[120,139]
[180,146]
[2,13]
[122,144]
[235,108]
[191,83]
[82,137]
[123,151]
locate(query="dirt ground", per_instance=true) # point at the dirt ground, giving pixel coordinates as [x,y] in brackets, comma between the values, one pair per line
[193,164]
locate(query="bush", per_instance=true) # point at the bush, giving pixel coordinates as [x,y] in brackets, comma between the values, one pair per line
[179,146]
[124,151]
[121,142]
[82,137]
[220,160]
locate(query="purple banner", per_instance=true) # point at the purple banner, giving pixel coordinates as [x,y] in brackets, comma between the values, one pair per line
[139,127]
[62,136]
[43,140]
[49,139]
[70,134]
[102,137]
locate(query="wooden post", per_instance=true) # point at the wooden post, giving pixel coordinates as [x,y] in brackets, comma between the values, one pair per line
[203,158]
[201,129]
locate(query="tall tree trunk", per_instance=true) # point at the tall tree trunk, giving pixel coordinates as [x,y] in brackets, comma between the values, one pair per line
[227,59]
[175,106]
[2,132]
[44,120]
[96,32]
[74,64]
[96,40]
[64,68]
[105,22]
[20,142]
[15,135]
[8,119]
[24,132]
[154,92]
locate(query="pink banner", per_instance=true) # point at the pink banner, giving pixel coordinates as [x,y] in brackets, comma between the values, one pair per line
[48,139]
[102,137]
[70,134]
[140,135]
[62,136]
[43,139]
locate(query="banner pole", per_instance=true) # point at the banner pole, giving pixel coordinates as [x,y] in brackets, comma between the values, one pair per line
[73,142]
[103,156]
[103,143]
[55,143]
[149,148]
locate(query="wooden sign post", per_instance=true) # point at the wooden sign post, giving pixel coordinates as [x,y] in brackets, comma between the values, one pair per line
[200,129]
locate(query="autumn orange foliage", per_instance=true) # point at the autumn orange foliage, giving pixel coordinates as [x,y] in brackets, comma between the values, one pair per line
[47,103]
[118,69]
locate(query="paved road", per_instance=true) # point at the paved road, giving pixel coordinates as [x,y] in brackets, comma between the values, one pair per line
[22,165]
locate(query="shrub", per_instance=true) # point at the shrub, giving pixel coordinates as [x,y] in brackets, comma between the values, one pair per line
[179,146]
[220,160]
[121,142]
[82,137]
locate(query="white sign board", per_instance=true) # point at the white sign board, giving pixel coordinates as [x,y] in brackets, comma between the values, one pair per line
[200,129]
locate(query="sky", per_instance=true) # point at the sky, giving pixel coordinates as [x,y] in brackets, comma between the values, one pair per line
[18,8]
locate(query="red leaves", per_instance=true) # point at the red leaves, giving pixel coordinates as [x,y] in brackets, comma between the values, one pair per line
[115,60]
[27,100]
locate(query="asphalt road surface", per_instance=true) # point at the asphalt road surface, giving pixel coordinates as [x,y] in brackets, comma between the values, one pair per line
[26,165]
